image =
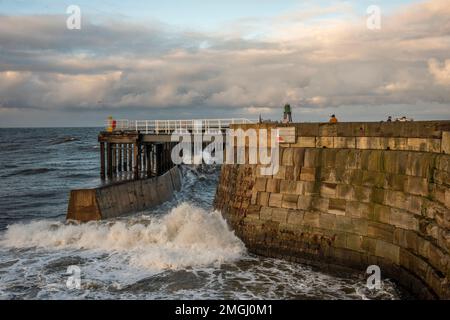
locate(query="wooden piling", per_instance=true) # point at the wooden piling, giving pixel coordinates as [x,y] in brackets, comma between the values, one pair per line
[109,159]
[102,160]
[114,159]
[136,160]
[130,157]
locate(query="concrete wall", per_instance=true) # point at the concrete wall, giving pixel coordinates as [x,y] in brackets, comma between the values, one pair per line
[380,199]
[126,197]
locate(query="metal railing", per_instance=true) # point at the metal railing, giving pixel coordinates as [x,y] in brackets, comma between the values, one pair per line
[169,126]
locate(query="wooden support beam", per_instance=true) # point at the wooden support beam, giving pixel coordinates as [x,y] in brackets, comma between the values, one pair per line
[149,159]
[102,160]
[114,158]
[109,160]
[136,160]
[130,157]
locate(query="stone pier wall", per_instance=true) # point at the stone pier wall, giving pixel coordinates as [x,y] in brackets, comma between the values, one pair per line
[354,195]
[122,198]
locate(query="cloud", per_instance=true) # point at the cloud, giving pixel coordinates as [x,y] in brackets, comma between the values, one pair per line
[297,58]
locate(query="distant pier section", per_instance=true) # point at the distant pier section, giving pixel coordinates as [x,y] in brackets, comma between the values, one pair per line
[134,149]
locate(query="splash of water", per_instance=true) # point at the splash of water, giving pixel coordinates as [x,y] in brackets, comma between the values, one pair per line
[187,236]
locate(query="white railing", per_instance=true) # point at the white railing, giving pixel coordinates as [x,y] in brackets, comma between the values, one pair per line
[169,126]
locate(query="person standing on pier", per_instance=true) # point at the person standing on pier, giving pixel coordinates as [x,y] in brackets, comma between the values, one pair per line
[333,119]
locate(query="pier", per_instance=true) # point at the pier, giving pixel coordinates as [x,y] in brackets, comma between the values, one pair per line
[135,149]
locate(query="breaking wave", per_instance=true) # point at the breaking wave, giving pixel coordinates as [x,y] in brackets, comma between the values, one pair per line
[187,236]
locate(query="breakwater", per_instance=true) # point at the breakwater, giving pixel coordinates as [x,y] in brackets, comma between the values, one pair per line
[354,195]
[121,198]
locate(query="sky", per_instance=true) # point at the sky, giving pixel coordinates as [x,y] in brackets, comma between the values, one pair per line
[222,59]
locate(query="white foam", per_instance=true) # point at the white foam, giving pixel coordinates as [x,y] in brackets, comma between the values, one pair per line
[186,236]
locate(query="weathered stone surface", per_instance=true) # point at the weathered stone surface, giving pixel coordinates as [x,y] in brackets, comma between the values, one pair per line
[273,185]
[305,142]
[324,142]
[344,142]
[290,201]
[308,174]
[260,184]
[275,200]
[385,204]
[445,144]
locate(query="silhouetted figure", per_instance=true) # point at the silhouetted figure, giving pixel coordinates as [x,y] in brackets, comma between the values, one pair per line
[389,119]
[333,119]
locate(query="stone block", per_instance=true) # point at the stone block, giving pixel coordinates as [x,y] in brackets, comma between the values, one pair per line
[434,145]
[445,142]
[304,202]
[254,199]
[355,209]
[324,142]
[353,159]
[311,219]
[360,226]
[273,185]
[396,199]
[328,190]
[288,187]
[275,200]
[260,184]
[337,207]
[417,144]
[305,142]
[308,129]
[417,186]
[263,199]
[287,157]
[328,129]
[388,251]
[344,224]
[397,143]
[312,157]
[290,201]
[295,217]
[361,194]
[329,158]
[354,242]
[306,188]
[373,179]
[298,157]
[279,215]
[369,245]
[344,142]
[380,231]
[290,175]
[371,143]
[403,219]
[382,213]
[418,164]
[327,221]
[344,191]
[395,182]
[320,204]
[265,213]
[377,195]
[281,174]
[308,174]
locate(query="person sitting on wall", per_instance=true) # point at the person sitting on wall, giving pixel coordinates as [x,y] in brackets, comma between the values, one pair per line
[389,119]
[333,119]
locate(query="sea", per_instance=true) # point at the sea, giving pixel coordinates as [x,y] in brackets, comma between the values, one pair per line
[182,249]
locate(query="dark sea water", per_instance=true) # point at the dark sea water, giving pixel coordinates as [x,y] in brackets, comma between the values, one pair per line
[181,249]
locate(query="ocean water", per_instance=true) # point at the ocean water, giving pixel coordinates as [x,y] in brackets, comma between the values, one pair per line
[179,250]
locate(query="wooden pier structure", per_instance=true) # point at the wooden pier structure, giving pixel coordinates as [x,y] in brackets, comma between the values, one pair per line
[135,149]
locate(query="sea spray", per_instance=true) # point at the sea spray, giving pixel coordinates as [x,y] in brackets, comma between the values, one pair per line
[187,236]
